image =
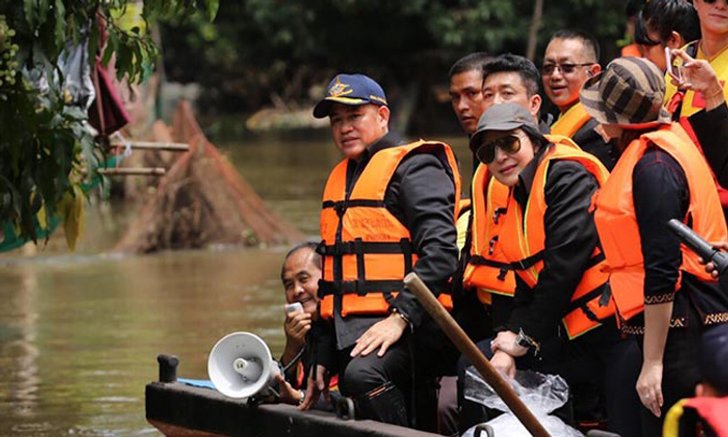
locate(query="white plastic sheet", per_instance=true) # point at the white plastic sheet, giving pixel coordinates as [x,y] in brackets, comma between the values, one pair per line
[541,393]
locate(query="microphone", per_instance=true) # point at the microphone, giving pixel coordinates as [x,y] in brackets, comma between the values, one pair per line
[698,245]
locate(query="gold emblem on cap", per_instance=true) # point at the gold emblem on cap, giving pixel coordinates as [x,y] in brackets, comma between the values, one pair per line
[339,89]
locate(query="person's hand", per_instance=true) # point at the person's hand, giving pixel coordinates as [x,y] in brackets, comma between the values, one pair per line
[504,363]
[649,386]
[698,75]
[288,394]
[506,341]
[710,267]
[296,326]
[318,384]
[381,335]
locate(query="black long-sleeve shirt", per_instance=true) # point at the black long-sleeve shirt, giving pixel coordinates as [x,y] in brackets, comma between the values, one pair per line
[591,142]
[660,192]
[421,195]
[571,237]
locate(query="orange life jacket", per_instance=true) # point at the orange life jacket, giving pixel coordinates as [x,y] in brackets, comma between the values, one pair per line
[690,417]
[488,270]
[569,123]
[617,224]
[373,247]
[523,240]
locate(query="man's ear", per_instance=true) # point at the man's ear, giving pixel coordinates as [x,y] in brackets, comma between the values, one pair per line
[534,105]
[383,114]
[593,70]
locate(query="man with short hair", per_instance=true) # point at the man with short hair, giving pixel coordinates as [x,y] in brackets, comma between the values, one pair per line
[570,59]
[512,78]
[300,274]
[466,89]
[388,208]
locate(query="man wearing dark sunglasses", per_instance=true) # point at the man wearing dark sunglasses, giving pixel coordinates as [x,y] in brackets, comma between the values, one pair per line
[570,59]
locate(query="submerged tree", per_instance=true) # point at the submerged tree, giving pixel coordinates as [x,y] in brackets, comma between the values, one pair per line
[47,153]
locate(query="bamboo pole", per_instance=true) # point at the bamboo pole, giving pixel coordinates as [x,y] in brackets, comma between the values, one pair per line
[133,171]
[151,145]
[471,351]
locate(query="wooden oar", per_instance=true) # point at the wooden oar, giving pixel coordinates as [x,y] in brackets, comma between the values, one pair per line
[471,351]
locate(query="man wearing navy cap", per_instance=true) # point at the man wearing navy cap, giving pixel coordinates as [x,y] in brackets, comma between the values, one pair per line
[388,209]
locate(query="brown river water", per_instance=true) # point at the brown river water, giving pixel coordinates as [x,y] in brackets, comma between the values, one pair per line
[80,332]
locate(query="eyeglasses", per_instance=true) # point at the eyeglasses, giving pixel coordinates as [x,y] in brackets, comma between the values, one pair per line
[510,144]
[548,69]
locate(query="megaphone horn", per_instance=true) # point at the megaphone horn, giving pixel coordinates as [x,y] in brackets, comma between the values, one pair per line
[240,365]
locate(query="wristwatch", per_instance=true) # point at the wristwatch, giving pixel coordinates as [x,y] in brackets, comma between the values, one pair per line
[529,343]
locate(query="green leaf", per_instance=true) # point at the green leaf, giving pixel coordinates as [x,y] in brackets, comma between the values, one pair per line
[60,24]
[30,13]
[211,8]
[43,7]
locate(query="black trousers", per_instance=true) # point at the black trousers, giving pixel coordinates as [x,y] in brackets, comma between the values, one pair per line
[598,363]
[412,364]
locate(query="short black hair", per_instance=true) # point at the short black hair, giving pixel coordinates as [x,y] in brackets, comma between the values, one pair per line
[666,16]
[310,245]
[472,61]
[590,43]
[510,63]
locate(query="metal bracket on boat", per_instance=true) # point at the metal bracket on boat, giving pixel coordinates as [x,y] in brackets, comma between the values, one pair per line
[483,430]
[344,408]
[167,367]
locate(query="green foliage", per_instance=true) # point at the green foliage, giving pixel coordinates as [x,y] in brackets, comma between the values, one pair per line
[262,49]
[46,152]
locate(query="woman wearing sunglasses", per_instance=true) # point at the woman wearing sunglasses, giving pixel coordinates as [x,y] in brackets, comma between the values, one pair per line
[563,318]
[662,294]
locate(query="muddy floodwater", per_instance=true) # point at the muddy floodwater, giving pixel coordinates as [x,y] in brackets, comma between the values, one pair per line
[79,333]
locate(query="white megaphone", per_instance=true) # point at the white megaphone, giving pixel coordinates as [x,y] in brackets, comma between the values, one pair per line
[240,365]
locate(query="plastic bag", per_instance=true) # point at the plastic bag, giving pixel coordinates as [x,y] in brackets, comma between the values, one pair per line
[541,393]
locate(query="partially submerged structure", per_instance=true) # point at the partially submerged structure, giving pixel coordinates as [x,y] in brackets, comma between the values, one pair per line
[202,201]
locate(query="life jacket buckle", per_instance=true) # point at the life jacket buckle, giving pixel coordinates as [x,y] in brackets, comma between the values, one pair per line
[340,208]
[502,274]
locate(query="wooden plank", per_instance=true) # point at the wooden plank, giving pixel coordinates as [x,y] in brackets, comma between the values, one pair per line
[200,411]
[132,171]
[153,145]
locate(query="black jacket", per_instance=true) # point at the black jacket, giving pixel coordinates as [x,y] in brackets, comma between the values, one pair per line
[571,237]
[422,196]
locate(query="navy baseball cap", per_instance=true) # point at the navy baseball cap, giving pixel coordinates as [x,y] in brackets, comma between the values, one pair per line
[352,90]
[714,357]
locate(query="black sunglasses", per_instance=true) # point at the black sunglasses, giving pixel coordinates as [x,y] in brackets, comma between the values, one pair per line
[548,69]
[510,144]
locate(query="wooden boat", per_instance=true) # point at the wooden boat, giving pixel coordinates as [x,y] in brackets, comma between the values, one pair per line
[179,409]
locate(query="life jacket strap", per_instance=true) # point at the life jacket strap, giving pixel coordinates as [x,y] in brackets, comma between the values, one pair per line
[342,205]
[356,247]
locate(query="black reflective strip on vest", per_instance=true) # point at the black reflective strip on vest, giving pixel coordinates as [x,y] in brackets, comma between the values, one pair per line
[342,205]
[527,263]
[350,248]
[360,270]
[478,260]
[405,246]
[353,287]
[581,302]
